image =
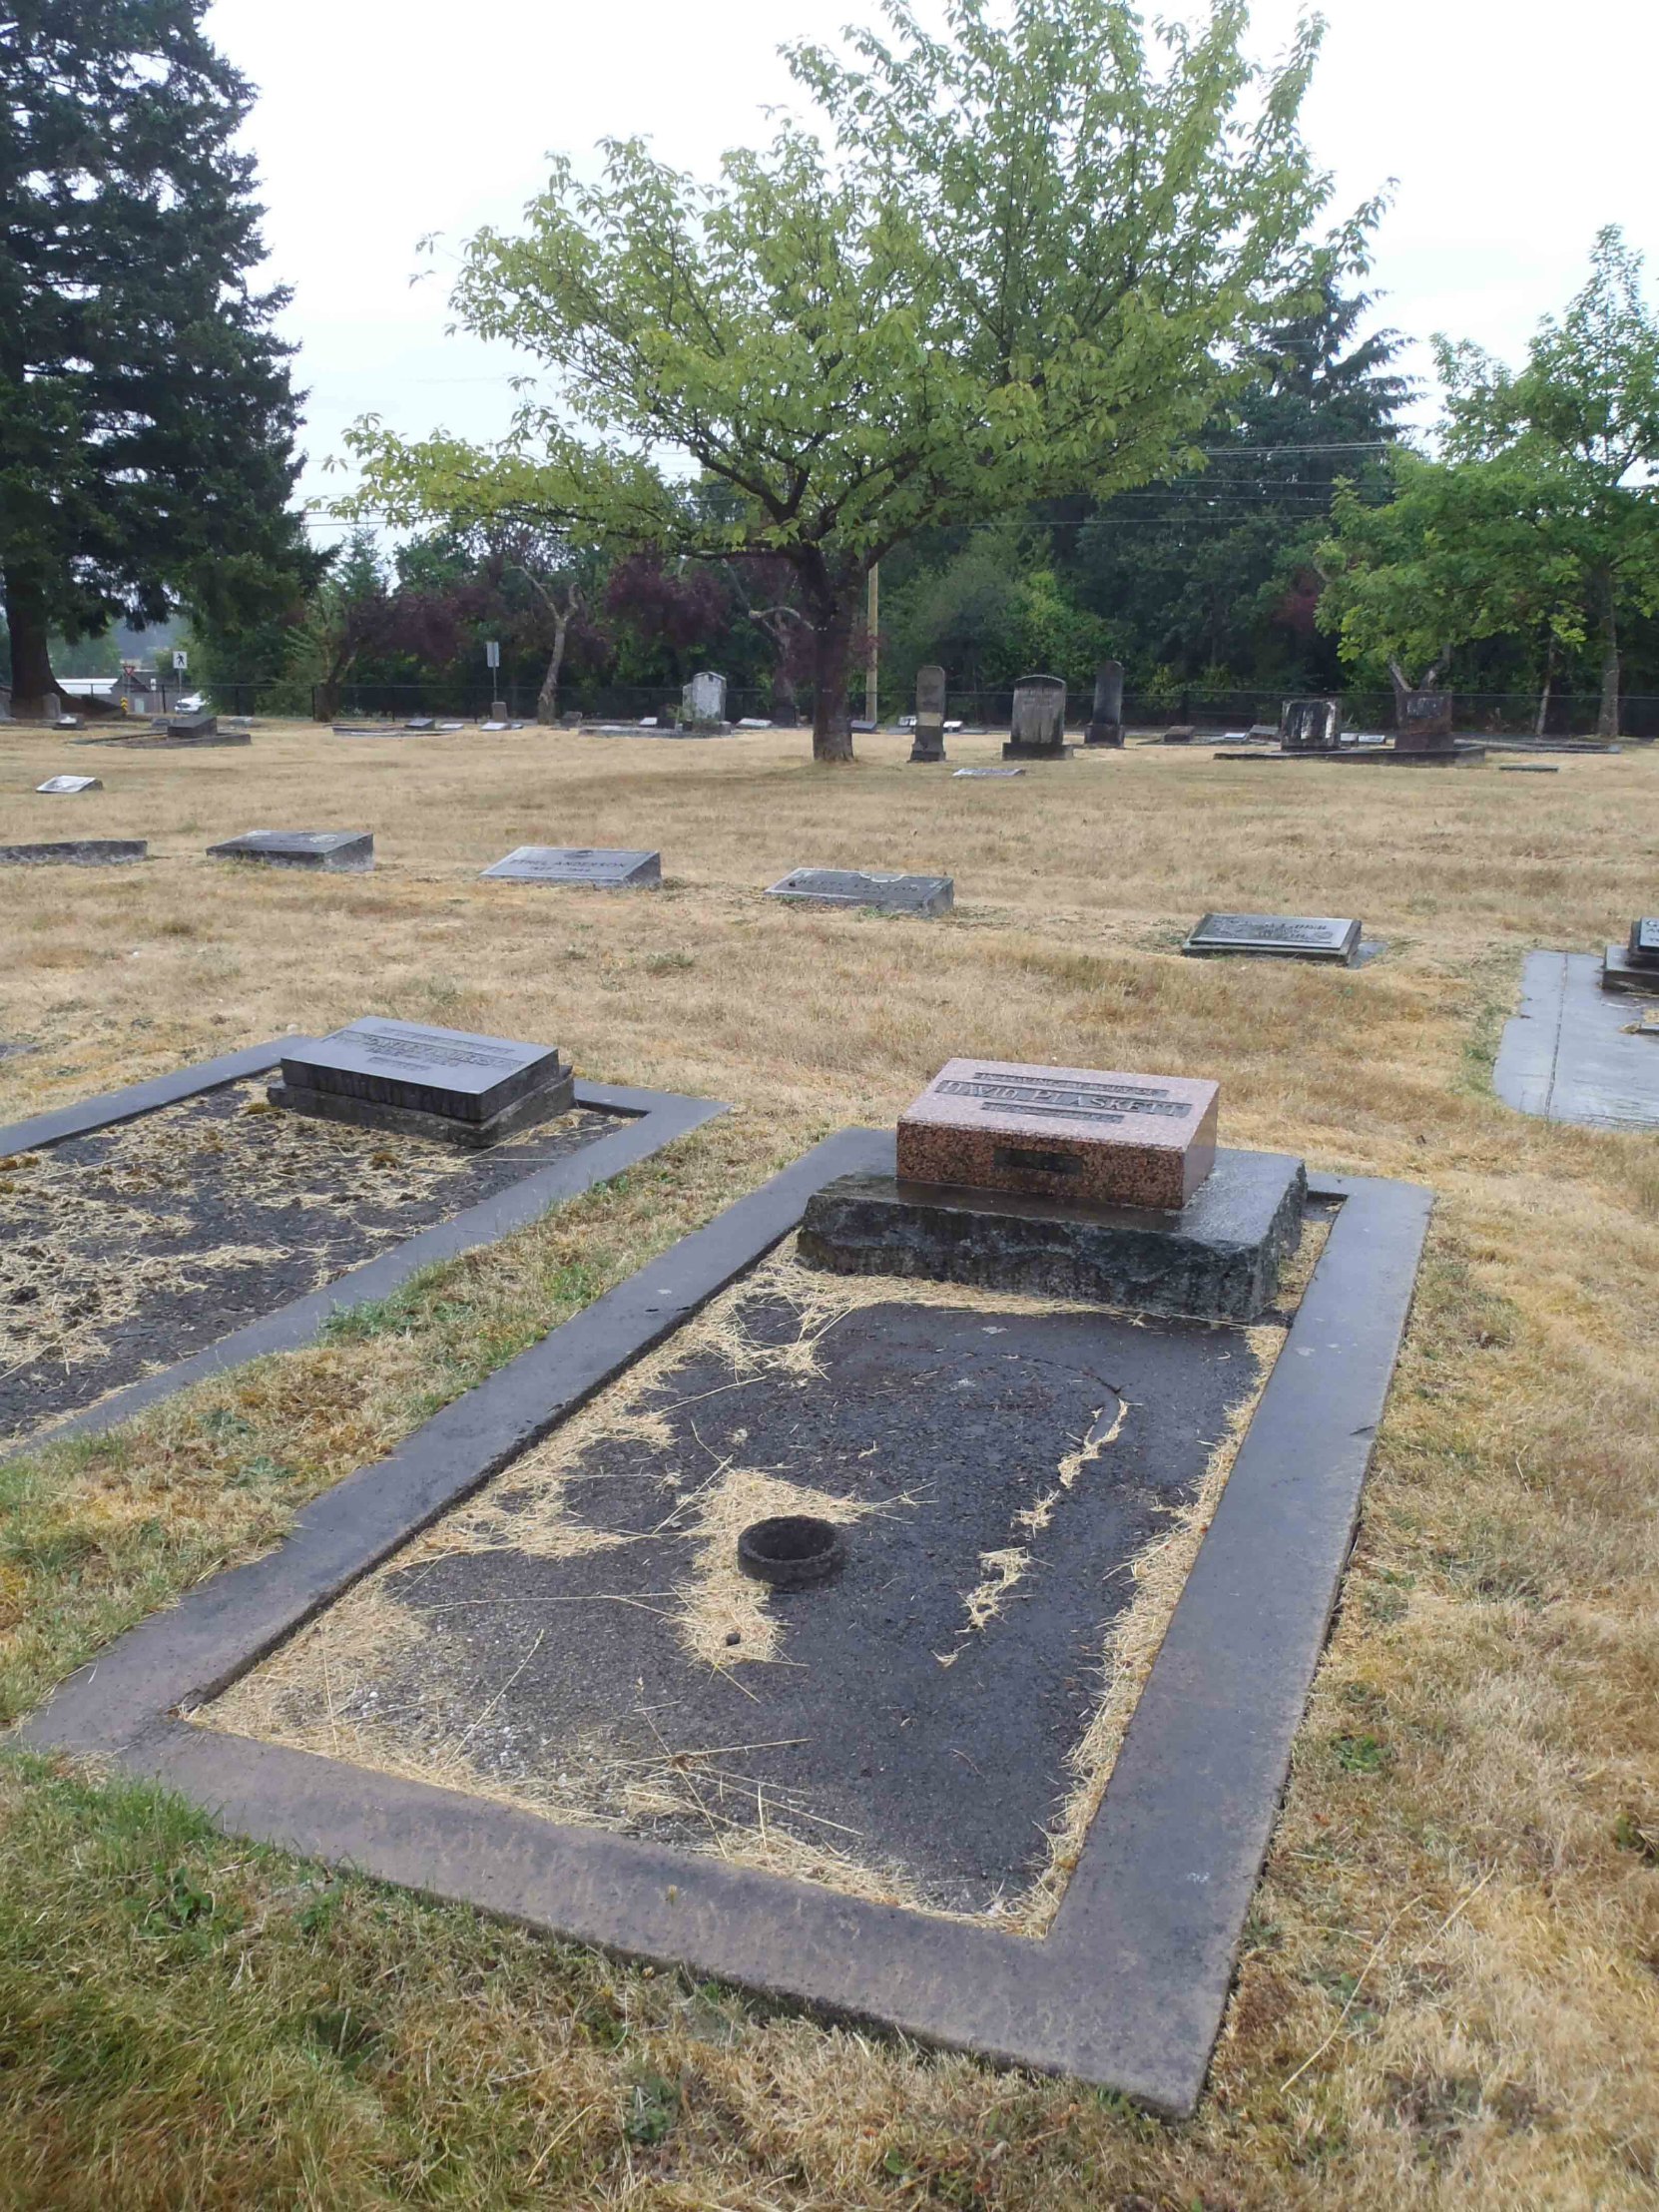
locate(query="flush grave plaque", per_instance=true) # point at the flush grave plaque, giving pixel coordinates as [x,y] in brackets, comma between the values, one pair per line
[333,852]
[1287,937]
[450,1083]
[579,864]
[988,774]
[1075,1133]
[58,785]
[846,886]
[75,853]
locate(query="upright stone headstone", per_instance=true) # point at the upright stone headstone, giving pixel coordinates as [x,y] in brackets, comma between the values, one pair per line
[1039,721]
[333,851]
[928,743]
[1106,719]
[704,697]
[1424,721]
[424,1082]
[1310,725]
[578,864]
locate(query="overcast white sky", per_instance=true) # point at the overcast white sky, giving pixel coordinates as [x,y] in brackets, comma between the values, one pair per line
[1515,130]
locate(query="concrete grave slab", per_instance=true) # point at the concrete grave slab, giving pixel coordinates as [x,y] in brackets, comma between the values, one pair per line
[331,852]
[1124,1985]
[1565,1055]
[64,785]
[925,895]
[1082,1134]
[1283,936]
[391,1213]
[429,1082]
[606,870]
[75,853]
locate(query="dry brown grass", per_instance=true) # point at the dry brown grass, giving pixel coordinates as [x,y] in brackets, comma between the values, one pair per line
[1450,1979]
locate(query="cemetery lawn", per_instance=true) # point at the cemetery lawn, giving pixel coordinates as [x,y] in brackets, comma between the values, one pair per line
[1450,1987]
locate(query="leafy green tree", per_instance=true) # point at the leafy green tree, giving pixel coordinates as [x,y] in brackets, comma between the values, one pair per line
[1579,426]
[1217,569]
[1016,267]
[146,417]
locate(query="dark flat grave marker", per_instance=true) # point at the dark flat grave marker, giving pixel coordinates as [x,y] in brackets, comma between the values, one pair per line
[75,853]
[1288,937]
[846,886]
[193,726]
[1183,734]
[605,867]
[969,1408]
[448,1083]
[333,852]
[62,785]
[1526,768]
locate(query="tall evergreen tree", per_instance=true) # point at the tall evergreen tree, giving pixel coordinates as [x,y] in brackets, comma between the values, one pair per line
[146,415]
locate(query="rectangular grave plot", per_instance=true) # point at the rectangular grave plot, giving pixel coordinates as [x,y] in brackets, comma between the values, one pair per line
[1282,937]
[578,864]
[138,1252]
[1127,1983]
[877,1702]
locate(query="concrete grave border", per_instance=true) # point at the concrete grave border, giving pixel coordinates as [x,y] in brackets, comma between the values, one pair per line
[1564,1055]
[1129,1985]
[656,1118]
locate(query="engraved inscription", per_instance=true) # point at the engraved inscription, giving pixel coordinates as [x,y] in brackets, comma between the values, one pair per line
[434,1054]
[1073,1101]
[1264,929]
[1645,936]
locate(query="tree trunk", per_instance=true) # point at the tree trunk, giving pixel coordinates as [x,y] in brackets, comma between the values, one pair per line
[1549,686]
[34,693]
[831,665]
[1607,722]
[547,699]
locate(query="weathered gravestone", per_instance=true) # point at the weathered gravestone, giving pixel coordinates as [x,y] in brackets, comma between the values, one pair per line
[68,721]
[1289,936]
[1183,734]
[928,743]
[59,785]
[1424,721]
[704,698]
[1311,725]
[75,853]
[1072,1183]
[381,1074]
[1106,719]
[843,887]
[421,722]
[1634,966]
[609,869]
[333,851]
[193,726]
[1039,721]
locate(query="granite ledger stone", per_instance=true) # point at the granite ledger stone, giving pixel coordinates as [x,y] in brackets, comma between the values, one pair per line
[75,853]
[331,851]
[1288,937]
[605,867]
[848,887]
[1094,1138]
[447,1083]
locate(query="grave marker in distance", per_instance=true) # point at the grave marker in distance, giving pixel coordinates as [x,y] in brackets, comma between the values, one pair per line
[1106,719]
[928,743]
[1288,936]
[579,864]
[58,785]
[75,853]
[704,698]
[448,1083]
[1038,730]
[1311,725]
[842,887]
[333,851]
[989,775]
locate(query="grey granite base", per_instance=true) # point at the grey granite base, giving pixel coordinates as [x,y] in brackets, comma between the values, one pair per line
[1218,1259]
[1619,972]
[409,1121]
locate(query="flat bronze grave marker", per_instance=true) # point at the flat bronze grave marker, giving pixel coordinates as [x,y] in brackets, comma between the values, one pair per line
[844,886]
[1288,937]
[606,868]
[330,851]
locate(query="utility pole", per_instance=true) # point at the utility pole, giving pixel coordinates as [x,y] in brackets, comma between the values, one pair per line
[872,618]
